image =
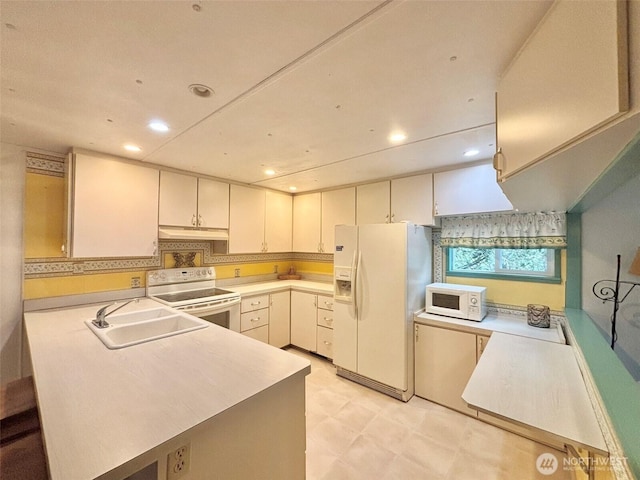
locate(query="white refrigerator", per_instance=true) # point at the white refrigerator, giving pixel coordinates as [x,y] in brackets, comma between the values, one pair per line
[380,274]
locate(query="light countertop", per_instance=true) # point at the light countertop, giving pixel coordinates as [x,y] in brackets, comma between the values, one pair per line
[538,385]
[100,408]
[323,288]
[495,323]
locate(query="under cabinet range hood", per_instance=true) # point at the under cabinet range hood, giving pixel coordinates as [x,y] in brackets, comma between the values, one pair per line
[176,233]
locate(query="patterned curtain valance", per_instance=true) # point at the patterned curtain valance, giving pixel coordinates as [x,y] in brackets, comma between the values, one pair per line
[506,230]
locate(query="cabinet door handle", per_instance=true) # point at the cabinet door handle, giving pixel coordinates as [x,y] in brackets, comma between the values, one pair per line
[327,343]
[199,220]
[481,346]
[255,304]
[328,320]
[257,319]
[393,216]
[435,208]
[328,304]
[386,218]
[193,220]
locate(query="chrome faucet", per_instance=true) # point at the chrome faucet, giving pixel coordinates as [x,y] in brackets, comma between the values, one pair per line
[101,314]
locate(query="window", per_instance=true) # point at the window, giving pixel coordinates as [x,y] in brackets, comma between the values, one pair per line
[539,264]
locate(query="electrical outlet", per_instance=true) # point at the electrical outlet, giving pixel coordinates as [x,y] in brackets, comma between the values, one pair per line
[275,269]
[178,462]
[135,282]
[237,272]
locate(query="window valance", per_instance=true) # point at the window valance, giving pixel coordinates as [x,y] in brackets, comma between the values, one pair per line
[506,230]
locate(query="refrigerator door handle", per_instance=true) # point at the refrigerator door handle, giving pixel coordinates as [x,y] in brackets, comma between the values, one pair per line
[356,289]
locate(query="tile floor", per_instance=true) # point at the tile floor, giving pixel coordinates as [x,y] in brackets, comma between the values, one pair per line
[355,433]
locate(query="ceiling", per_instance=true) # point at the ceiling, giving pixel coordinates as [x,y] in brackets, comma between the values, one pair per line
[309,89]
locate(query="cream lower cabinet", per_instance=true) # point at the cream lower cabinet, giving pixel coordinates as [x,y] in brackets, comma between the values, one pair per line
[280,319]
[254,317]
[324,322]
[444,362]
[312,322]
[304,320]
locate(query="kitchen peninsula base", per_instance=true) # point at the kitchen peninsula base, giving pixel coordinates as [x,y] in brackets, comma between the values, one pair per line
[262,437]
[238,404]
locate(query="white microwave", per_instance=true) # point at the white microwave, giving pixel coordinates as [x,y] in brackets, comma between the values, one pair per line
[458,301]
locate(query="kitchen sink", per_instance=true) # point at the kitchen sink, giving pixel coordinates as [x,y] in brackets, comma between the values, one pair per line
[132,328]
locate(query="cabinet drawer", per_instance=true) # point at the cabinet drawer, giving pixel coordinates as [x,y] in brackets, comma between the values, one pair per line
[260,333]
[325,303]
[325,342]
[325,318]
[255,319]
[257,302]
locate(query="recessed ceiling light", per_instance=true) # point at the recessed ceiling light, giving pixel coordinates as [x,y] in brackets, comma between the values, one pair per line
[200,90]
[158,126]
[270,171]
[397,137]
[293,189]
[132,148]
[471,152]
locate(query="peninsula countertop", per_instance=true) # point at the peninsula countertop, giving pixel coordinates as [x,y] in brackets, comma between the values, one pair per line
[101,408]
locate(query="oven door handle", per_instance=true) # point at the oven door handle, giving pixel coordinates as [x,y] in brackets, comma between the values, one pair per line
[212,307]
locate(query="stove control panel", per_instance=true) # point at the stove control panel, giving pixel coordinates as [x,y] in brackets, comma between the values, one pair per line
[179,275]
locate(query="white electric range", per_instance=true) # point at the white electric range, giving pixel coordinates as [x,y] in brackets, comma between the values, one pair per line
[193,290]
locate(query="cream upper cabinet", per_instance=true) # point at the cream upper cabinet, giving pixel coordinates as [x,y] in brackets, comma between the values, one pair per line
[468,190]
[569,78]
[408,199]
[307,223]
[412,199]
[259,221]
[373,203]
[187,201]
[213,204]
[278,222]
[315,216]
[246,219]
[113,208]
[338,208]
